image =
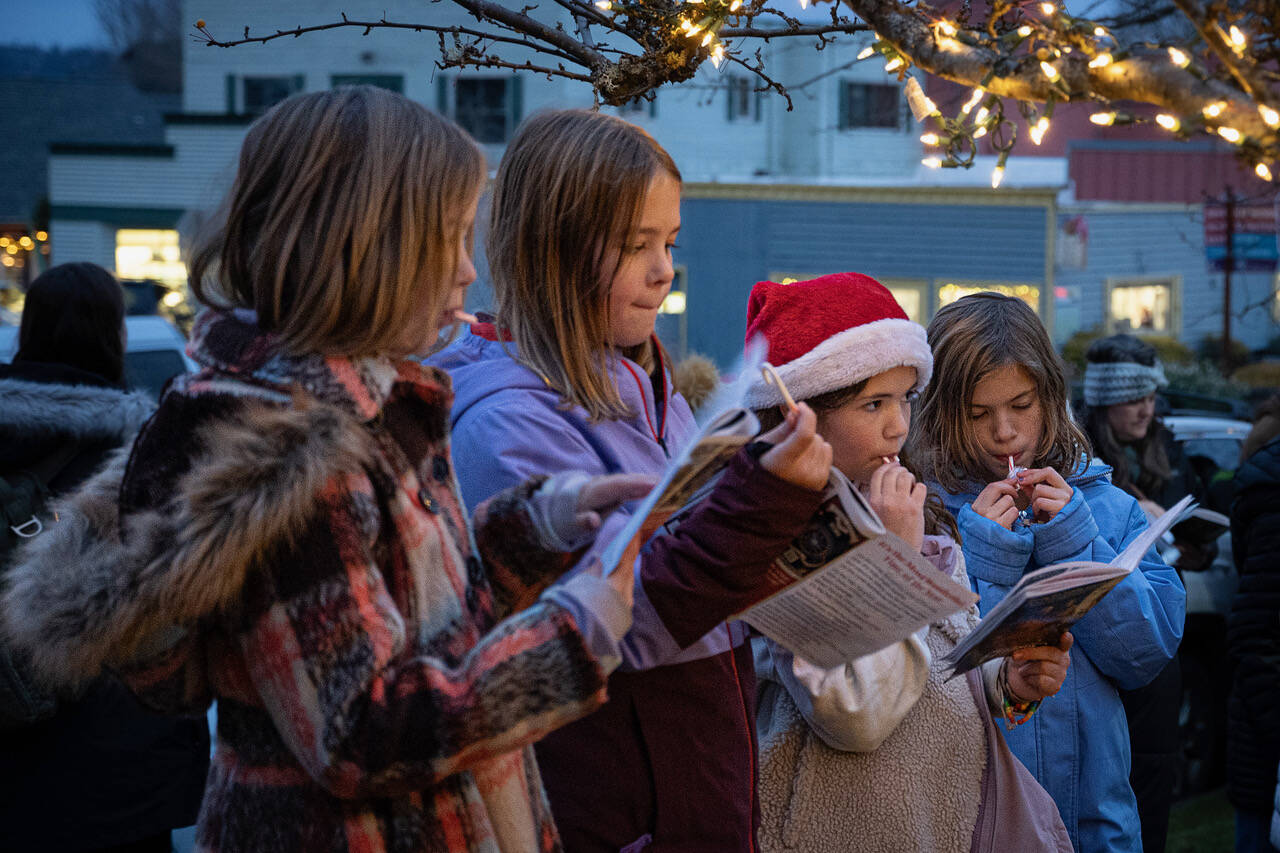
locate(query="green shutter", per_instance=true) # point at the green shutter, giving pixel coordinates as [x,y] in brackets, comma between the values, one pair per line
[842,100]
[231,94]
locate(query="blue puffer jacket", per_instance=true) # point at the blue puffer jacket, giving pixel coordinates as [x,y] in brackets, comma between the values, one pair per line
[1077,744]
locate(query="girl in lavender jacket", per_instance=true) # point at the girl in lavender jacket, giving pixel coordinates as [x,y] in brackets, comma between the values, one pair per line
[586,209]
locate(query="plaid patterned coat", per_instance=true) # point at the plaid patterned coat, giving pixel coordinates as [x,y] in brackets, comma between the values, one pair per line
[287,538]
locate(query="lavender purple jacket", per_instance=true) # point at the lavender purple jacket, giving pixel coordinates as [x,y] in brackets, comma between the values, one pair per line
[671,758]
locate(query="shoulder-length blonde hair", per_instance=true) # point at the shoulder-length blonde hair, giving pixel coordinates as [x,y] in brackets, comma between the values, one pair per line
[970,338]
[346,206]
[566,200]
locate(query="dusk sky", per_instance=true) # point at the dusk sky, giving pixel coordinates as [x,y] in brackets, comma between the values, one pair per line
[49,23]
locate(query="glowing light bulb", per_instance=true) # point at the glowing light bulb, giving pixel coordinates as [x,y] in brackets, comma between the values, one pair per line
[604,5]
[893,64]
[1102,60]
[717,56]
[930,139]
[947,28]
[708,38]
[1262,171]
[1104,119]
[980,132]
[932,162]
[735,5]
[1049,71]
[1179,58]
[866,52]
[1100,32]
[1230,134]
[1048,8]
[804,4]
[981,114]
[1214,110]
[1024,30]
[1039,129]
[1270,116]
[1168,122]
[1237,38]
[972,102]
[997,175]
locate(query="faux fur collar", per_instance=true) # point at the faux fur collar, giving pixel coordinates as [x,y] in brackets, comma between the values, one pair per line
[84,412]
[87,593]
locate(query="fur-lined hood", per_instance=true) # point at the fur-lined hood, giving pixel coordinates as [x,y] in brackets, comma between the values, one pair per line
[87,593]
[84,412]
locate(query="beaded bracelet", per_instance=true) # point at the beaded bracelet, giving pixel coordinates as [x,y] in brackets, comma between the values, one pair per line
[1014,713]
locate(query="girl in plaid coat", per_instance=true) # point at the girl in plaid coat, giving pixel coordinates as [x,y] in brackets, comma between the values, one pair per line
[286,537]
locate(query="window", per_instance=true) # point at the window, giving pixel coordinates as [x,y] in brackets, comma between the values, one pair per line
[1141,305]
[262,93]
[744,101]
[487,107]
[143,253]
[912,294]
[672,326]
[394,82]
[950,291]
[870,105]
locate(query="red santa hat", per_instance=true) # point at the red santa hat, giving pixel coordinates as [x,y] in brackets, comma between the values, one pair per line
[830,333]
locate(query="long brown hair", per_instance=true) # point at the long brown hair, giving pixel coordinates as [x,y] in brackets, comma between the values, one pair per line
[937,520]
[566,200]
[346,204]
[970,338]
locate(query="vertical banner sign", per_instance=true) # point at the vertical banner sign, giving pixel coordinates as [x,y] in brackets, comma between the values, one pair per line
[1254,245]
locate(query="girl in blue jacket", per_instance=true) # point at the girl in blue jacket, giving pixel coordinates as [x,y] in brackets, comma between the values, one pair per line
[998,403]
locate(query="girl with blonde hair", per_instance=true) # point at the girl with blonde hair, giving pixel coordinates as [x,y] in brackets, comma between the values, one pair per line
[586,209]
[994,434]
[286,535]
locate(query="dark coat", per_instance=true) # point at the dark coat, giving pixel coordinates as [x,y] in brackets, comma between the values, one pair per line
[103,770]
[1253,634]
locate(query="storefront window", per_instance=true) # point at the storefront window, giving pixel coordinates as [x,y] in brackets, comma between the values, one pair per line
[1141,306]
[150,254]
[950,291]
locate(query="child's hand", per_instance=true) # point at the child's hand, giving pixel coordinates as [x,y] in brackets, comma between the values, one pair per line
[603,494]
[899,501]
[1038,671]
[1049,492]
[998,502]
[799,455]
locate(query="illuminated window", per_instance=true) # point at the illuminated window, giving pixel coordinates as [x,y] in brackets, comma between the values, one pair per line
[672,326]
[950,291]
[150,254]
[1142,305]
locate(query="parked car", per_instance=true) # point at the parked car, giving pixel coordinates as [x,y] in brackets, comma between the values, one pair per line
[1212,446]
[154,352]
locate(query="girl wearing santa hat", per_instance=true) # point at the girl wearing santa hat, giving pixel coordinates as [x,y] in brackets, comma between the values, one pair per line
[585,212]
[884,753]
[996,435]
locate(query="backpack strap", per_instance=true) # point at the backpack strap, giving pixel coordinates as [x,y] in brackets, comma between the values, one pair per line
[41,475]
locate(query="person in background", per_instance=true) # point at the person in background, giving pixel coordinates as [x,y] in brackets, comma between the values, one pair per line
[97,770]
[1253,635]
[1122,375]
[286,535]
[885,753]
[995,434]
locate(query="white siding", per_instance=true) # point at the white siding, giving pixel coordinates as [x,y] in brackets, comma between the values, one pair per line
[83,241]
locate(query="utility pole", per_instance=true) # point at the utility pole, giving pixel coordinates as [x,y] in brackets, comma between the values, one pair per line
[1229,264]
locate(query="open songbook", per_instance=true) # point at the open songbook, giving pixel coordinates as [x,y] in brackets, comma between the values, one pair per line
[1048,601]
[846,587]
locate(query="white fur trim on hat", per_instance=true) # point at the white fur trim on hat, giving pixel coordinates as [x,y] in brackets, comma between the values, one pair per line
[847,358]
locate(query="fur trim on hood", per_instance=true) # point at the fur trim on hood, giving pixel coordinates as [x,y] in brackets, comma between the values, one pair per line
[87,593]
[84,411]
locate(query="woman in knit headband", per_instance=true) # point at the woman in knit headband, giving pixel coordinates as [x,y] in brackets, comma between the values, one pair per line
[1122,375]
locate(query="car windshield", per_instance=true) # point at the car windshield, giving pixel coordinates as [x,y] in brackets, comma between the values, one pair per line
[149,371]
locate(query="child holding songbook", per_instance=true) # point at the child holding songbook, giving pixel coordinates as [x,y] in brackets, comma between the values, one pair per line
[884,753]
[995,435]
